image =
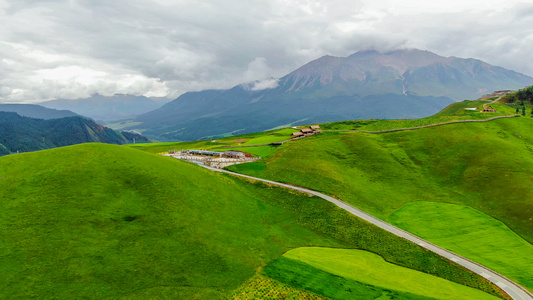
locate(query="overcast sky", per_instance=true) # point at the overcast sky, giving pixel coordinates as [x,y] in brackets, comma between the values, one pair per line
[73,48]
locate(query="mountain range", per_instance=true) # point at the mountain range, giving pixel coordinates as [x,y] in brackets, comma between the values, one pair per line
[365,85]
[37,111]
[105,108]
[23,134]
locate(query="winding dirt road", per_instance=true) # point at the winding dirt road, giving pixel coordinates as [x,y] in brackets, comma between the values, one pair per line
[510,287]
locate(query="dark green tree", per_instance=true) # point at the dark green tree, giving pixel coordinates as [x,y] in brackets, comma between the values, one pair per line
[529,92]
[523,110]
[521,95]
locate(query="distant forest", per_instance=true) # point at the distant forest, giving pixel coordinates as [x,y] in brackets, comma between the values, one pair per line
[23,134]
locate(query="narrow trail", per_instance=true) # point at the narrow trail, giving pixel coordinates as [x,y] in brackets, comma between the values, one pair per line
[495,100]
[426,126]
[515,291]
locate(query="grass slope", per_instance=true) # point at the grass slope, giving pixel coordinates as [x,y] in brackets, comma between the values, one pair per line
[487,166]
[470,233]
[453,112]
[97,221]
[277,136]
[476,164]
[370,269]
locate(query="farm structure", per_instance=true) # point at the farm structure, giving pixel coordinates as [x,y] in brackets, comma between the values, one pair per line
[204,153]
[313,129]
[489,109]
[225,154]
[235,154]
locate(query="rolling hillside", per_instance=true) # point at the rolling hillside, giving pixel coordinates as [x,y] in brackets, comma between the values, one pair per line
[485,166]
[106,221]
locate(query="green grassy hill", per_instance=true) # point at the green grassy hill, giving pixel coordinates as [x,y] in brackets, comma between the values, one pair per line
[487,166]
[103,221]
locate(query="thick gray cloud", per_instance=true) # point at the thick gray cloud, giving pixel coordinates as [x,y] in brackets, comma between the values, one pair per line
[73,48]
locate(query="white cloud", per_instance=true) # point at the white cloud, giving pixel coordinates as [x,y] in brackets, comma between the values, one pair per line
[72,48]
[269,83]
[257,69]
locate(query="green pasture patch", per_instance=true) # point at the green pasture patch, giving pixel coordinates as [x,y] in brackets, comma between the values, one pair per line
[303,276]
[278,136]
[286,131]
[266,140]
[372,269]
[459,108]
[472,234]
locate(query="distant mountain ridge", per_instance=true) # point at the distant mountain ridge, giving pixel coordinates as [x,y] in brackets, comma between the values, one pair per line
[367,84]
[23,134]
[412,72]
[37,111]
[106,108]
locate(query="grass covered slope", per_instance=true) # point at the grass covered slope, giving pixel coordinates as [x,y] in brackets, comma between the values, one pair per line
[103,221]
[364,270]
[99,221]
[453,112]
[488,166]
[470,233]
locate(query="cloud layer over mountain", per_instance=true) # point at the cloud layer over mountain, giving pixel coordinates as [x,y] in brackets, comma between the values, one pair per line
[73,48]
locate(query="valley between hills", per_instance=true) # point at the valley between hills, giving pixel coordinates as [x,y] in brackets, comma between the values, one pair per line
[108,221]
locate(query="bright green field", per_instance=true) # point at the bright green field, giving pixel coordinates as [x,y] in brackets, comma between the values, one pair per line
[102,221]
[278,136]
[369,268]
[300,275]
[472,234]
